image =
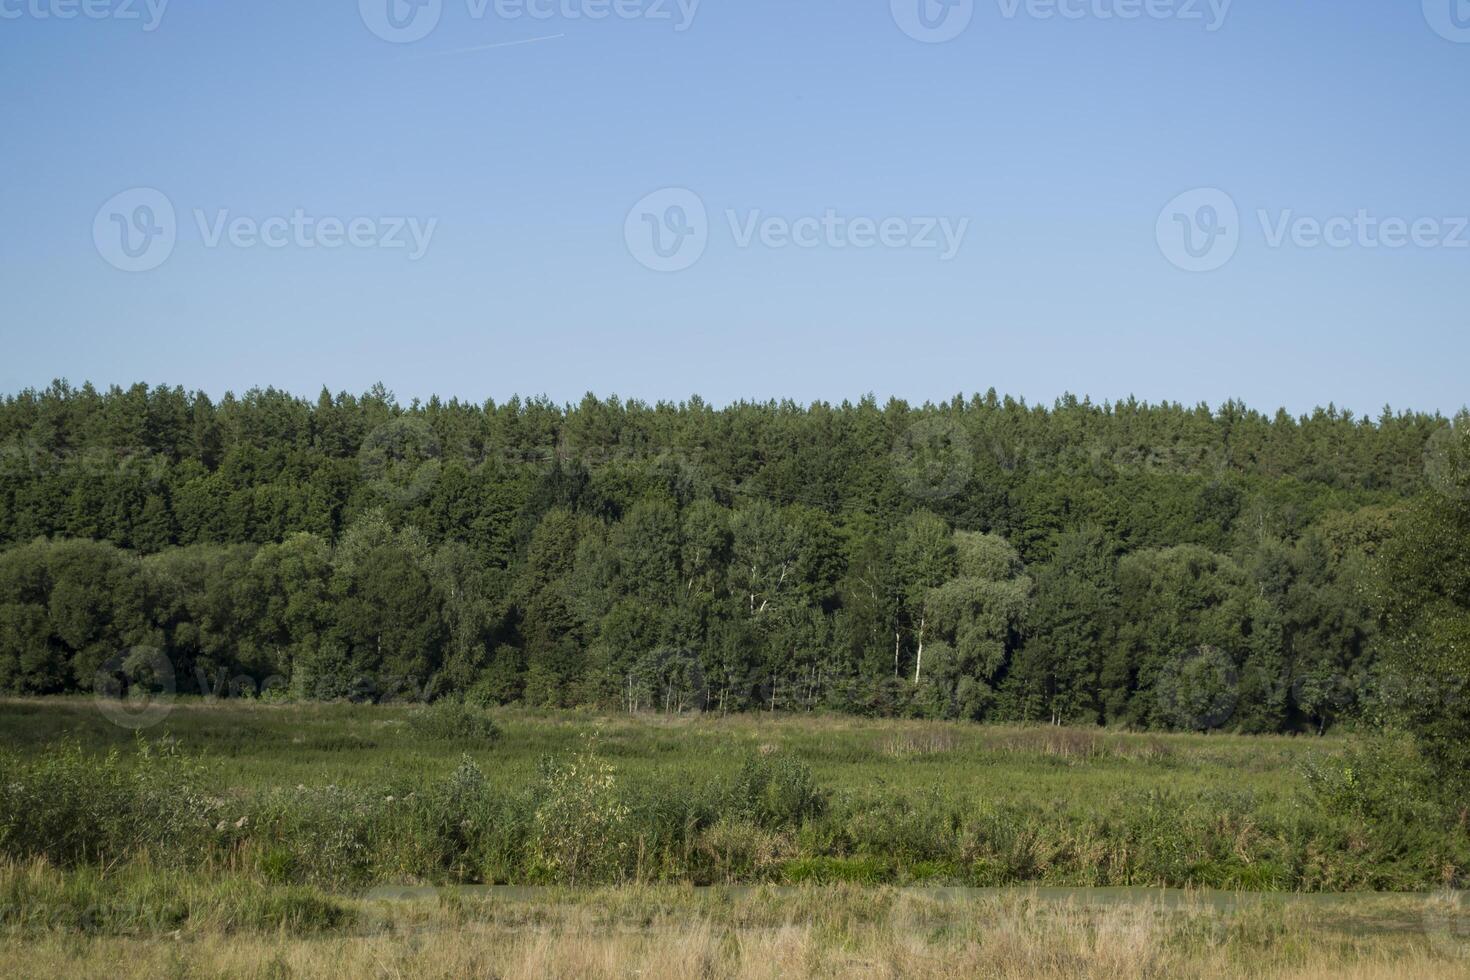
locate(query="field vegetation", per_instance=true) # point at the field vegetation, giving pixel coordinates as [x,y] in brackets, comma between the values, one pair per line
[354,796]
[668,690]
[765,933]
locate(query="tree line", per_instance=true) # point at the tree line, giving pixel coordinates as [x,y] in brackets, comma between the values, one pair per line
[1151,565]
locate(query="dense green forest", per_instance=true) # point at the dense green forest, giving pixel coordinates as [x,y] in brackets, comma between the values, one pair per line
[1149,565]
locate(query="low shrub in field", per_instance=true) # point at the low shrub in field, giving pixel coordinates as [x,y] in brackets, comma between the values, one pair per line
[665,821]
[326,835]
[451,720]
[907,830]
[775,791]
[1385,779]
[578,832]
[734,850]
[72,808]
[456,829]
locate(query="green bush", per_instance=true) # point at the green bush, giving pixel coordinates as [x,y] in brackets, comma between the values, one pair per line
[71,808]
[452,721]
[1379,780]
[579,830]
[775,792]
[328,836]
[457,829]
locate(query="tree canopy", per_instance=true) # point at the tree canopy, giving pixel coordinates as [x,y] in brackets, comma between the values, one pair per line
[1150,565]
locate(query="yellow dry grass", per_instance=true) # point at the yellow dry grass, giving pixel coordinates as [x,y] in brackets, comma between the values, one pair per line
[654,934]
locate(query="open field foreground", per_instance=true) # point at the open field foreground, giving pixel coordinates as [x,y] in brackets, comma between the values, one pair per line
[349,797]
[834,931]
[286,840]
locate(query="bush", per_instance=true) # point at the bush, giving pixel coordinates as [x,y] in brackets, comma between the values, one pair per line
[1381,780]
[776,792]
[71,809]
[456,829]
[578,831]
[451,721]
[327,835]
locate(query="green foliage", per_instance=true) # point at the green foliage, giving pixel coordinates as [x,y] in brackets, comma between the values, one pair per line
[981,558]
[827,801]
[1426,609]
[143,900]
[452,720]
[71,808]
[579,825]
[776,792]
[1383,780]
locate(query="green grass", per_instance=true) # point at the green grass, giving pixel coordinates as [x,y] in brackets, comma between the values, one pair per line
[348,796]
[266,745]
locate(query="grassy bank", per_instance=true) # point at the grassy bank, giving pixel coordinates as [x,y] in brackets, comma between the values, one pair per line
[348,797]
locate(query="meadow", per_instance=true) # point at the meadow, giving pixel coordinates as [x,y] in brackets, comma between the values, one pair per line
[285,839]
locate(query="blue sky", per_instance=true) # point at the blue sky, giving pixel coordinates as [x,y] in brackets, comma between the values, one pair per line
[524,143]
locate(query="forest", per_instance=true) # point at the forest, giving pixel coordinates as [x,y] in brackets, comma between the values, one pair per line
[1152,566]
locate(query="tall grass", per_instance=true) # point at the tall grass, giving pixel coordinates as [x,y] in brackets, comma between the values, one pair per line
[820,931]
[580,821]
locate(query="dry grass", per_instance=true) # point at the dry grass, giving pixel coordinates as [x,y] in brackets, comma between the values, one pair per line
[760,934]
[1085,745]
[912,742]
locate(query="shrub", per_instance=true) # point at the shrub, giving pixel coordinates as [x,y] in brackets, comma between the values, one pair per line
[71,808]
[1381,780]
[456,828]
[326,835]
[451,721]
[776,792]
[898,827]
[733,850]
[578,829]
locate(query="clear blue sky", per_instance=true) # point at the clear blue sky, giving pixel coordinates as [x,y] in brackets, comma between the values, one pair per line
[1061,140]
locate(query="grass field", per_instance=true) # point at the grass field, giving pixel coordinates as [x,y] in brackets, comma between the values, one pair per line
[264,745]
[267,839]
[835,931]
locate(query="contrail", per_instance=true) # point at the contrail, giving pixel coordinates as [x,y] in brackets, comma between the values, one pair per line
[489,47]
